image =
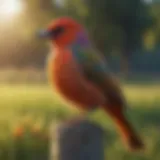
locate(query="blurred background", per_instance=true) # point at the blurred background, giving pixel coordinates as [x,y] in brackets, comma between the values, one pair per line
[127,32]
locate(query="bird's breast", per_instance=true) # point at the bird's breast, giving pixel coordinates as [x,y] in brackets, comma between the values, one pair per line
[63,74]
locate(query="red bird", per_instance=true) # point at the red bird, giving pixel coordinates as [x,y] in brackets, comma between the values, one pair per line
[81,75]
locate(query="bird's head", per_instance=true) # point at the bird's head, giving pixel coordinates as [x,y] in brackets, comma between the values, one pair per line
[64,31]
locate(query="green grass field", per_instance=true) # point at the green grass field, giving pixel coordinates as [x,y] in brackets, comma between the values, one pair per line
[27,110]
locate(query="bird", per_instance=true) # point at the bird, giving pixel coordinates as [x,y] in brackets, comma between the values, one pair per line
[81,75]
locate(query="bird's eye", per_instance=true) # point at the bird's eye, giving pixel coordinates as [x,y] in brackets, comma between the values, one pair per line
[57,31]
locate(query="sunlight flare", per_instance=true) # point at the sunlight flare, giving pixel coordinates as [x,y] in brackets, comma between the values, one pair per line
[10,8]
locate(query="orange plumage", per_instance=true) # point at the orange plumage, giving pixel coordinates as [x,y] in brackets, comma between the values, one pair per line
[80,75]
[69,82]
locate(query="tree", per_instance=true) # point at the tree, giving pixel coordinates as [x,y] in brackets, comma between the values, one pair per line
[114,25]
[128,20]
[155,10]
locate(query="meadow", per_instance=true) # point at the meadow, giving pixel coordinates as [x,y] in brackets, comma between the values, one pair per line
[26,111]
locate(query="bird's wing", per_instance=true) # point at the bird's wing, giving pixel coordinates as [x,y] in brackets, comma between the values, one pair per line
[96,70]
[92,63]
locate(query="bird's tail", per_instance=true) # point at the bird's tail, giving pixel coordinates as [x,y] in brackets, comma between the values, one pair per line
[125,128]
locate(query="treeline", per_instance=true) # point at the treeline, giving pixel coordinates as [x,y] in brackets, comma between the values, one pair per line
[118,28]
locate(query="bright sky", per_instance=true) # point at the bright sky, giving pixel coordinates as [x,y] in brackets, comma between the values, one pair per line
[10,8]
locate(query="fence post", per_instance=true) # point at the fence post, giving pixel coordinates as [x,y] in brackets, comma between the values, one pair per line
[81,140]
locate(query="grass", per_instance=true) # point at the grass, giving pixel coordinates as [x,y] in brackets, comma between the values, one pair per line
[27,110]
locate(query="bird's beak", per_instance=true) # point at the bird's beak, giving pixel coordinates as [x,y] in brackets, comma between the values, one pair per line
[53,33]
[44,34]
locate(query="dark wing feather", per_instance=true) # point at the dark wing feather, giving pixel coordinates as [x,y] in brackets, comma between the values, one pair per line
[96,70]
